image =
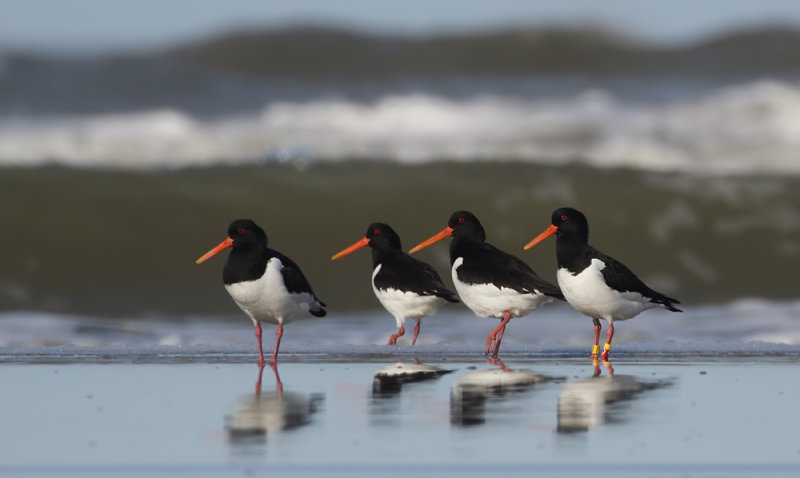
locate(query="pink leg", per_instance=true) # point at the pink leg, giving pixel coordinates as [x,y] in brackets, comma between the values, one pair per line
[416,333]
[506,318]
[278,335]
[604,355]
[261,360]
[496,335]
[597,328]
[393,338]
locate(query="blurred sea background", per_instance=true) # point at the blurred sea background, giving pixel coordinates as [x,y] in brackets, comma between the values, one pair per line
[122,161]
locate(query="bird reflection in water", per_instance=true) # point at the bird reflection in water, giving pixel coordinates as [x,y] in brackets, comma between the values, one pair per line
[598,399]
[254,416]
[470,394]
[387,383]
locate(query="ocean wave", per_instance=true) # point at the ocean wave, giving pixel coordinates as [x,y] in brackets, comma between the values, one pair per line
[749,128]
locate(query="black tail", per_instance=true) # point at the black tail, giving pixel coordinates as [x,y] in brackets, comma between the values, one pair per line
[667,303]
[317,309]
[448,296]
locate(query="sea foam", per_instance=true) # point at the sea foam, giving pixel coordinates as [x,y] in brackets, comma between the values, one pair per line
[745,326]
[745,129]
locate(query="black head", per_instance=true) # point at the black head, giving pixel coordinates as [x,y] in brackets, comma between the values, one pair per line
[571,224]
[245,232]
[464,224]
[243,236]
[381,236]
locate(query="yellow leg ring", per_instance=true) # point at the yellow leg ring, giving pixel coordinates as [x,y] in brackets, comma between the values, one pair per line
[607,346]
[595,349]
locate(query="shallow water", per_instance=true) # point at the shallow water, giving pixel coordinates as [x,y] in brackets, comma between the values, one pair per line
[755,326]
[657,416]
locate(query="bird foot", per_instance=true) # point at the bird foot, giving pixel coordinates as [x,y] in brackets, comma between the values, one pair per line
[598,371]
[393,339]
[498,363]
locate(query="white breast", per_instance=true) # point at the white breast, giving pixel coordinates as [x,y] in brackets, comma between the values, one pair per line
[267,300]
[405,305]
[488,300]
[588,293]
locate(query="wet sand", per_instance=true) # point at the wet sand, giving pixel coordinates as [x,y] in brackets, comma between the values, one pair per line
[353,415]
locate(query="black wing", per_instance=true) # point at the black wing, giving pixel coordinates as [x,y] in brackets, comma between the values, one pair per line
[620,278]
[488,264]
[293,277]
[401,271]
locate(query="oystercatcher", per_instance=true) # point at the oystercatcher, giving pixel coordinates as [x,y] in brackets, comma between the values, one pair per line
[406,287]
[265,284]
[594,283]
[489,281]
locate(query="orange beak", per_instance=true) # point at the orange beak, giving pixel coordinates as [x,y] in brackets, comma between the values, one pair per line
[446,232]
[213,252]
[541,237]
[358,245]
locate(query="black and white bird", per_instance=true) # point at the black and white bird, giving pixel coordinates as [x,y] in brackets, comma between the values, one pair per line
[489,281]
[593,283]
[406,287]
[265,284]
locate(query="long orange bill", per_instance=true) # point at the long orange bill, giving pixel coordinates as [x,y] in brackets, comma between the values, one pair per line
[213,252]
[541,237]
[446,232]
[358,245]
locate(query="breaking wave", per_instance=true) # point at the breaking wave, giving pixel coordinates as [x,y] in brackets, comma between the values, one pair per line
[749,128]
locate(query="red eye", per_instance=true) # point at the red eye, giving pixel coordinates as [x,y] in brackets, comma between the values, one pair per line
[376,231]
[461,220]
[240,230]
[564,217]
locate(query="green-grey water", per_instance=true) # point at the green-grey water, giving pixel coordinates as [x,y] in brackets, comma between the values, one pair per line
[115,243]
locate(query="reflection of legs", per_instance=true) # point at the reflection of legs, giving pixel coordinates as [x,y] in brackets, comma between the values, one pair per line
[278,383]
[258,382]
[607,346]
[597,369]
[393,338]
[499,363]
[416,333]
[496,335]
[609,367]
[597,328]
